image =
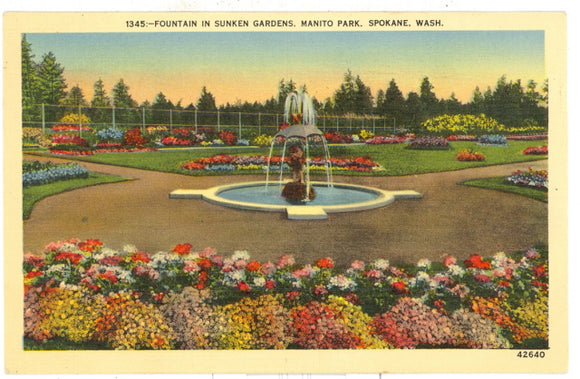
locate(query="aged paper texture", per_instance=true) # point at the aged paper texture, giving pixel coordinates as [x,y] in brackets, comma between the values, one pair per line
[431,241]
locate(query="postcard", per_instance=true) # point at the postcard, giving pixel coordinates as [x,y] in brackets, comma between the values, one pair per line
[311,192]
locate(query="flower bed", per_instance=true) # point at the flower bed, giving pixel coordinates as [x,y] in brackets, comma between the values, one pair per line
[338,137]
[380,140]
[492,139]
[37,173]
[533,137]
[536,150]
[70,128]
[127,299]
[225,162]
[429,143]
[467,138]
[531,178]
[466,155]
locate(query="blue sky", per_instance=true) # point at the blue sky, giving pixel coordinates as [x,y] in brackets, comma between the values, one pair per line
[249,65]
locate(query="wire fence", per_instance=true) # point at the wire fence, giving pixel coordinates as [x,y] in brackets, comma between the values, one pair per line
[243,124]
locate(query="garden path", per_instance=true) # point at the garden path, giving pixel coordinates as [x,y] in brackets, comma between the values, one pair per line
[449,219]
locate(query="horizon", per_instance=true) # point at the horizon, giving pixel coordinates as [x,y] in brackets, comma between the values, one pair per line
[248,66]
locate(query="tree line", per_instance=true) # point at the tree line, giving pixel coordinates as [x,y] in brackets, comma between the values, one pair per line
[511,102]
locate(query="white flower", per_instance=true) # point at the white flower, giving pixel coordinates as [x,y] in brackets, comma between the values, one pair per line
[422,275]
[234,277]
[455,270]
[381,264]
[341,282]
[104,253]
[424,263]
[58,268]
[259,282]
[130,249]
[241,255]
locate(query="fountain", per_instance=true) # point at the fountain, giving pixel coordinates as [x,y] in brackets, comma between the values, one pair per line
[301,198]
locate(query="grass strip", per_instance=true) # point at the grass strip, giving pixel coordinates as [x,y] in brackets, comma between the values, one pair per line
[33,194]
[499,184]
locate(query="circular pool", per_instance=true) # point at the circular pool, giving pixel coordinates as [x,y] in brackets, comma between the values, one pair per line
[258,196]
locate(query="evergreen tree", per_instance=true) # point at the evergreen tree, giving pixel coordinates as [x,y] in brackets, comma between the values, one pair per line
[52,85]
[428,99]
[413,111]
[394,104]
[75,98]
[99,104]
[206,101]
[477,105]
[127,115]
[30,84]
[160,110]
[452,105]
[353,96]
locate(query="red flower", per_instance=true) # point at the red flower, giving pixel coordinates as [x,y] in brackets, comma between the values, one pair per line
[90,245]
[325,263]
[182,249]
[159,296]
[109,275]
[504,283]
[270,284]
[353,299]
[399,288]
[34,261]
[204,264]
[537,283]
[243,287]
[253,266]
[539,271]
[475,261]
[114,260]
[73,258]
[140,257]
[439,303]
[33,274]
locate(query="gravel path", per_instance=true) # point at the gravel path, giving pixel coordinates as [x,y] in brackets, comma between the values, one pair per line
[449,219]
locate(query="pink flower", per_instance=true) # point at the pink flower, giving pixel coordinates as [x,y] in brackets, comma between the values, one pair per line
[207,252]
[240,264]
[304,273]
[285,260]
[320,291]
[532,253]
[217,260]
[357,265]
[33,260]
[113,260]
[268,268]
[374,274]
[449,260]
[482,278]
[190,266]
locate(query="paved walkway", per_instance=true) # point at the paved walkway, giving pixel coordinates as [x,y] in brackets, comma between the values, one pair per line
[450,219]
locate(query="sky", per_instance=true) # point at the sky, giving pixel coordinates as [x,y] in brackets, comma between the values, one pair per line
[248,66]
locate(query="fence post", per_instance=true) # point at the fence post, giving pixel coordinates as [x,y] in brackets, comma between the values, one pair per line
[239,125]
[337,123]
[113,119]
[43,119]
[143,120]
[394,126]
[259,123]
[373,125]
[170,120]
[218,120]
[195,120]
[80,122]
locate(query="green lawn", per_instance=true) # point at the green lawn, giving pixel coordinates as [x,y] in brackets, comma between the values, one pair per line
[499,184]
[32,195]
[394,158]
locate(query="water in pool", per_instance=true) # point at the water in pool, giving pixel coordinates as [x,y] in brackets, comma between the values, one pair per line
[324,195]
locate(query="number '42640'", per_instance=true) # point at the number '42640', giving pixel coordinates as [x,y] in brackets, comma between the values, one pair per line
[531,354]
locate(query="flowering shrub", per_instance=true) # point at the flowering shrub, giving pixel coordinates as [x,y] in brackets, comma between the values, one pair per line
[429,143]
[536,150]
[187,299]
[133,137]
[337,137]
[156,129]
[111,134]
[492,139]
[466,155]
[262,140]
[37,173]
[228,138]
[447,125]
[531,178]
[74,118]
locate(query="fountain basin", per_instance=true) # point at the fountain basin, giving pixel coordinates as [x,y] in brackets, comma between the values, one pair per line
[256,196]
